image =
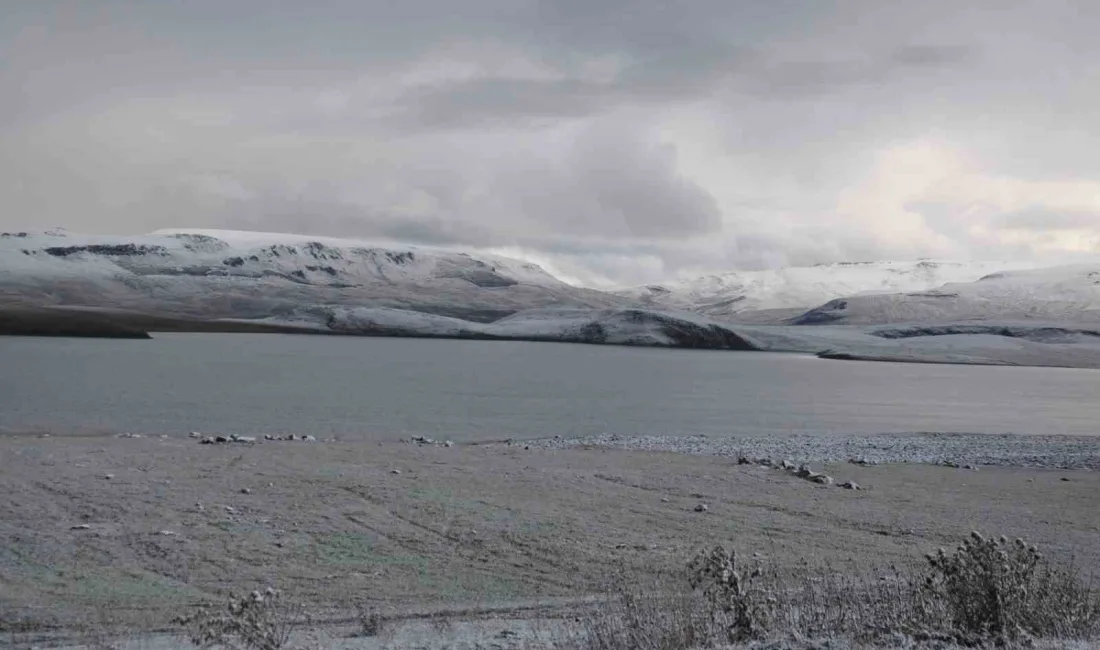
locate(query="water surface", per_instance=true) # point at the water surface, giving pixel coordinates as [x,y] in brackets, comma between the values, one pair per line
[479,390]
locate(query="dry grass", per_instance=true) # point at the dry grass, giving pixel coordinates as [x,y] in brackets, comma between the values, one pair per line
[986,592]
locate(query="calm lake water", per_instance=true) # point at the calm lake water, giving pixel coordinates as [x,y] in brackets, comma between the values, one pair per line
[473,390]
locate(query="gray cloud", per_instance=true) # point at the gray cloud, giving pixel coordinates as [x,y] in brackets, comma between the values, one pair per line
[1040,220]
[619,141]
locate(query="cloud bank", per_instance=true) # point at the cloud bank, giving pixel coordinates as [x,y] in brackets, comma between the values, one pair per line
[617,142]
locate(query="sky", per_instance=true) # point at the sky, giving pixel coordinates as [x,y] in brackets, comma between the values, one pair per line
[616,142]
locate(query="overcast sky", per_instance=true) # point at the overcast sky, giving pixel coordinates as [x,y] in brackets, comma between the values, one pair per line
[615,141]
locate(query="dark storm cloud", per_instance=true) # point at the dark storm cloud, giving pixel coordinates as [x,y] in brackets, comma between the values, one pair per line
[623,140]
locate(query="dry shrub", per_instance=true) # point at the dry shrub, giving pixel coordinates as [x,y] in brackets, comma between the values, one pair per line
[370,620]
[736,589]
[985,592]
[990,589]
[262,620]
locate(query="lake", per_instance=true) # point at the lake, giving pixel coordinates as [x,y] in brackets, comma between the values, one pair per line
[380,388]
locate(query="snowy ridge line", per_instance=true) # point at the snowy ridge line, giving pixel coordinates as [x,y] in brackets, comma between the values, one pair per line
[1061,294]
[735,292]
[243,254]
[208,274]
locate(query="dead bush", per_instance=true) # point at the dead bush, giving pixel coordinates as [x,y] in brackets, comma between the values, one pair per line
[262,620]
[987,591]
[991,589]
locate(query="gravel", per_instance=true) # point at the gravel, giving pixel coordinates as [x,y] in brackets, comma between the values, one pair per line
[1061,452]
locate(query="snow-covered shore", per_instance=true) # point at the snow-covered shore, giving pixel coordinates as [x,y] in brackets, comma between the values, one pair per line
[961,449]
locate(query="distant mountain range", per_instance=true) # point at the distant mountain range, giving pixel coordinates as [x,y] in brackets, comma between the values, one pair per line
[730,295]
[228,274]
[210,279]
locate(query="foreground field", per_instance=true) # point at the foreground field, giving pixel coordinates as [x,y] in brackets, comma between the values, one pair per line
[136,531]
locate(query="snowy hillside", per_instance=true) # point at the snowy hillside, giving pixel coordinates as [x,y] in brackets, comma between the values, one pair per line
[1065,294]
[609,326]
[211,274]
[729,294]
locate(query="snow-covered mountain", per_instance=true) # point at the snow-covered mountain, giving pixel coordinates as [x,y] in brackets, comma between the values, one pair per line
[359,287]
[727,295]
[1064,294]
[230,274]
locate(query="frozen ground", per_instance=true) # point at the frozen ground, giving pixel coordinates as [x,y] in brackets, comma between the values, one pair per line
[138,530]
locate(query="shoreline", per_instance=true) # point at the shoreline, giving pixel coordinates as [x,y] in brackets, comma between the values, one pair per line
[812,341]
[1069,452]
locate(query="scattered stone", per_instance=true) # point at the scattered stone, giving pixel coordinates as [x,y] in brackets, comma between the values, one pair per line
[972,467]
[221,439]
[108,476]
[80,527]
[268,436]
[788,465]
[164,436]
[230,509]
[395,471]
[309,439]
[169,533]
[246,491]
[702,507]
[129,435]
[196,435]
[862,462]
[850,485]
[206,440]
[666,500]
[1064,479]
[804,471]
[448,443]
[697,495]
[822,479]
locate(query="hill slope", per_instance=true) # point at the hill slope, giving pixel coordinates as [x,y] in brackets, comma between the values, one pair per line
[227,274]
[1065,294]
[736,294]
